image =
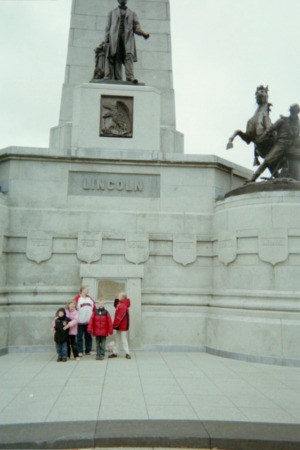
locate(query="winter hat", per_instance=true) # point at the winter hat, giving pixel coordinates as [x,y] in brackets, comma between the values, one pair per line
[60,309]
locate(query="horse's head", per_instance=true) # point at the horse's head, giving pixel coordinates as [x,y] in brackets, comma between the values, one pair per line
[262,95]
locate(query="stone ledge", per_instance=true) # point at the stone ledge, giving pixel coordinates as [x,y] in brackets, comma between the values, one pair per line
[265,186]
[76,154]
[151,433]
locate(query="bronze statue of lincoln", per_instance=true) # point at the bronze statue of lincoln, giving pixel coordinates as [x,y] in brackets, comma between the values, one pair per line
[122,25]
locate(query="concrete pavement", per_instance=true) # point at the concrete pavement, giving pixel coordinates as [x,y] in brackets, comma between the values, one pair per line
[187,392]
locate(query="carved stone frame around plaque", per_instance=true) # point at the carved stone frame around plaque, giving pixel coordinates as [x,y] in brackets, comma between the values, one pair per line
[116,116]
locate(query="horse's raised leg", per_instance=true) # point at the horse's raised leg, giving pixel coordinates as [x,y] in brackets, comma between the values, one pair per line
[246,138]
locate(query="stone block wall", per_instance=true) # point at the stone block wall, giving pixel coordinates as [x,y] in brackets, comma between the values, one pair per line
[4,311]
[157,239]
[202,272]
[256,281]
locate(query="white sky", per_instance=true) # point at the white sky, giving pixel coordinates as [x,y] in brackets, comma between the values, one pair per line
[222,50]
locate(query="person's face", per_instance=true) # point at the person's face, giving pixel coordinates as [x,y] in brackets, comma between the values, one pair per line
[60,314]
[71,306]
[85,291]
[122,3]
[101,304]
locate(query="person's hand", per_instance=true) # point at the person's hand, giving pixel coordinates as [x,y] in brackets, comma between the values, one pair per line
[146,35]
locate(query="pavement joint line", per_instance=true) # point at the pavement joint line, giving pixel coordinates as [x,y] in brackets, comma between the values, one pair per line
[144,371]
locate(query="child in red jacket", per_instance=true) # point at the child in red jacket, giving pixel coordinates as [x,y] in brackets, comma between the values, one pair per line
[121,324]
[100,325]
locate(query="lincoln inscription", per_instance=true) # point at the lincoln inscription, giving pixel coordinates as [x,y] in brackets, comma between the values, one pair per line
[114,184]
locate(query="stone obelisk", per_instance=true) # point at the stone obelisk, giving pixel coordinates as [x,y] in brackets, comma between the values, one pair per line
[153,68]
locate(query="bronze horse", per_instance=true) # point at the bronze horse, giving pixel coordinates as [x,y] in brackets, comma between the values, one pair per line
[257,133]
[256,127]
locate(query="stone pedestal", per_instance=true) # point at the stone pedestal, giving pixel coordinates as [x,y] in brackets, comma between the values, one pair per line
[256,307]
[154,65]
[91,103]
[98,117]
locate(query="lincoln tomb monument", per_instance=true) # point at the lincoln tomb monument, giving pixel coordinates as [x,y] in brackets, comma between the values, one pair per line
[210,263]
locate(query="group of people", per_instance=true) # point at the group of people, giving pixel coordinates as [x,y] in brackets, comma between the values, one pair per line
[75,325]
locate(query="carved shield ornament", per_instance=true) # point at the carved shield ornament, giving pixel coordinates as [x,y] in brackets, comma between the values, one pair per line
[227,247]
[273,246]
[89,246]
[185,248]
[39,246]
[137,248]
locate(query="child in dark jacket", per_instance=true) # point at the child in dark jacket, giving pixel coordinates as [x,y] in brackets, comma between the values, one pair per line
[61,334]
[100,325]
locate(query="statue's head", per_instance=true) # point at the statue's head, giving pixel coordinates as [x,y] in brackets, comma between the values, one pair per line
[262,94]
[122,3]
[295,108]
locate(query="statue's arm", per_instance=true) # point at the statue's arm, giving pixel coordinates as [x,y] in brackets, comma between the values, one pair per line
[137,27]
[274,127]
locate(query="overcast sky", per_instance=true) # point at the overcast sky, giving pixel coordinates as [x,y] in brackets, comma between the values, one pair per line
[222,50]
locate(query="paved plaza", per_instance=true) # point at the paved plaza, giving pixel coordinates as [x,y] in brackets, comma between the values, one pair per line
[179,390]
[164,386]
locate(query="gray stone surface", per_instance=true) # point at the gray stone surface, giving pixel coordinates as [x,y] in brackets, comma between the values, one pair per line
[175,400]
[42,261]
[202,258]
[88,101]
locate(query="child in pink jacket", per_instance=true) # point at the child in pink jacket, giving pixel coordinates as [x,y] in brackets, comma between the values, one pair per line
[72,314]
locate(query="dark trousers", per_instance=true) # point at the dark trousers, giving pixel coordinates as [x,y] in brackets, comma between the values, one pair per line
[62,349]
[128,65]
[72,344]
[100,345]
[84,335]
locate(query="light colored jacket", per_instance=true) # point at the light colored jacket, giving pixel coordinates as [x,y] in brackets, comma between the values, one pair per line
[73,324]
[85,307]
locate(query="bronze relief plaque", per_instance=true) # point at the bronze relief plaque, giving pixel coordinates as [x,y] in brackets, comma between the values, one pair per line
[116,116]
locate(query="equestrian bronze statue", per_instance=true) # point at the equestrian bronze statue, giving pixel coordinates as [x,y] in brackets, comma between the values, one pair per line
[277,145]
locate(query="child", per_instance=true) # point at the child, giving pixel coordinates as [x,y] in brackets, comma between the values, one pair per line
[100,325]
[72,314]
[121,324]
[61,334]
